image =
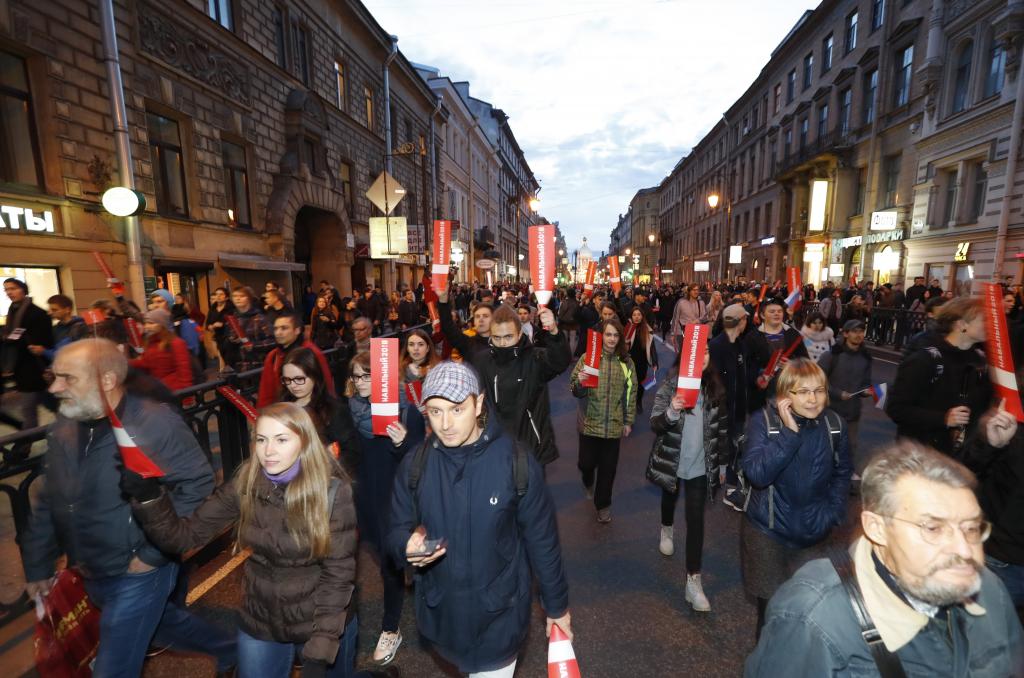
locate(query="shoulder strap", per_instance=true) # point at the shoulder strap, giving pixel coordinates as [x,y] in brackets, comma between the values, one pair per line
[889,665]
[521,470]
[419,461]
[773,422]
[835,427]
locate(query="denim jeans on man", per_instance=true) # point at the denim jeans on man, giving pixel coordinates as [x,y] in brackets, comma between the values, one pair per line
[1012,577]
[134,610]
[270,659]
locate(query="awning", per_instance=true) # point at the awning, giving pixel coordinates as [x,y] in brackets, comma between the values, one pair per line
[254,262]
[181,264]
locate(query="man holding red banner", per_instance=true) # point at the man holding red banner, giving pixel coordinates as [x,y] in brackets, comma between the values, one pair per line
[83,514]
[772,338]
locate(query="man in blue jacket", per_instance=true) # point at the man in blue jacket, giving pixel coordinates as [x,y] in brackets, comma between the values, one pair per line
[483,496]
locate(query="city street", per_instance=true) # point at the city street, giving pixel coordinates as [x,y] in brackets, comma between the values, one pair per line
[628,611]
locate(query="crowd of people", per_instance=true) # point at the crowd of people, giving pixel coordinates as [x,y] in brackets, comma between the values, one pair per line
[455,489]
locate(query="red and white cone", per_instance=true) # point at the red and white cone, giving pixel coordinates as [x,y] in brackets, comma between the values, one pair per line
[561,658]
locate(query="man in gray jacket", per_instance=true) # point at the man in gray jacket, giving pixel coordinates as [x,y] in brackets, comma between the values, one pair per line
[81,512]
[920,570]
[848,368]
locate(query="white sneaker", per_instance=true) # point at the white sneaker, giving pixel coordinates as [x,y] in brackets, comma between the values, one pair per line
[387,647]
[695,594]
[666,546]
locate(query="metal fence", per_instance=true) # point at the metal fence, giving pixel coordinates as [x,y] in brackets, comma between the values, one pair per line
[219,427]
[886,327]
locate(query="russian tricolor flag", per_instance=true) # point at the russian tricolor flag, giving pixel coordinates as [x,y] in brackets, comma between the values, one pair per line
[879,393]
[649,382]
[793,285]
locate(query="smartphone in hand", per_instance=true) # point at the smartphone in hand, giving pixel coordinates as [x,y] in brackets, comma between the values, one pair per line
[429,547]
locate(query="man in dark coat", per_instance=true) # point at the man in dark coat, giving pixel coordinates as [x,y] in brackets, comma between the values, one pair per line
[27,325]
[773,335]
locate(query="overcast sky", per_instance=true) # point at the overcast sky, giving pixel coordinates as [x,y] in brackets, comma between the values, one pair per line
[603,96]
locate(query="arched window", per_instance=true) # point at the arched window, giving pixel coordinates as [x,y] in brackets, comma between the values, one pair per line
[996,68]
[962,77]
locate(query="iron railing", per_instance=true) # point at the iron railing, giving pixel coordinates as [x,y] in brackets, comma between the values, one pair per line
[886,327]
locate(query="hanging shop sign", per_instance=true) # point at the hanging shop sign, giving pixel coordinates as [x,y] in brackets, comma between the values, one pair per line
[18,218]
[884,221]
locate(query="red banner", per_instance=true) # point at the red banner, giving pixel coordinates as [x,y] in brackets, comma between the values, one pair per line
[441,259]
[760,300]
[542,262]
[134,334]
[92,316]
[384,377]
[233,323]
[778,356]
[588,285]
[657,275]
[691,365]
[592,360]
[613,273]
[113,282]
[414,394]
[1000,359]
[239,401]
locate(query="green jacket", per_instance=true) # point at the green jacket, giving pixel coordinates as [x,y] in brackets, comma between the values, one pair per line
[610,406]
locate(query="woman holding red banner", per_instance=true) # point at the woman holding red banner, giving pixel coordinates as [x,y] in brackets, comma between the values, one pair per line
[293,506]
[606,415]
[643,353]
[375,478]
[690,446]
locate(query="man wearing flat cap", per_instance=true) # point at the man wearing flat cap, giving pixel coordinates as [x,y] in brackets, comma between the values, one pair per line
[472,514]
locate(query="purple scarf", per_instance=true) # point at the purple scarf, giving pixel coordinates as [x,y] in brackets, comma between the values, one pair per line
[284,477]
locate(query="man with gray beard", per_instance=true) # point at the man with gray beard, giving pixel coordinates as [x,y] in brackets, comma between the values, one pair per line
[926,602]
[82,514]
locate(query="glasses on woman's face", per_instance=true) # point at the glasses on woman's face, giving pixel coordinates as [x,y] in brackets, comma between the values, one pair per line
[807,392]
[938,532]
[361,377]
[288,381]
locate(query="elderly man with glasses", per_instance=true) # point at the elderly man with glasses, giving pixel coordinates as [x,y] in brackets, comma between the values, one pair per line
[925,603]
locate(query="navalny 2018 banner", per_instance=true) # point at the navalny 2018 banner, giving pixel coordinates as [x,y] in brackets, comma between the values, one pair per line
[588,284]
[542,262]
[1000,360]
[441,257]
[384,377]
[691,365]
[592,361]
[613,273]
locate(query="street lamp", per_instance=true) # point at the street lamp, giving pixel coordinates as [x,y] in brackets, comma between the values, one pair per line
[651,238]
[628,251]
[713,200]
[534,204]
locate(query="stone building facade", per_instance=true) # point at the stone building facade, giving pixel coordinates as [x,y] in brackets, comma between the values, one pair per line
[256,128]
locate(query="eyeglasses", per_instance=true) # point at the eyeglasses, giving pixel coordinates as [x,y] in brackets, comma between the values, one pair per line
[804,392]
[938,532]
[288,381]
[360,377]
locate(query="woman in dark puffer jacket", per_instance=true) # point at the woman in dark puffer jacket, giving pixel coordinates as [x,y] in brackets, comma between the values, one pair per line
[294,509]
[686,455]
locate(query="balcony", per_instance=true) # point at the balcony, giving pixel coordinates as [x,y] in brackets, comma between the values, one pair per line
[834,143]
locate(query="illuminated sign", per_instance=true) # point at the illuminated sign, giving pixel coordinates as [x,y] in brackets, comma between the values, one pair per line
[856,240]
[883,221]
[701,266]
[18,218]
[819,199]
[389,237]
[961,251]
[768,241]
[735,254]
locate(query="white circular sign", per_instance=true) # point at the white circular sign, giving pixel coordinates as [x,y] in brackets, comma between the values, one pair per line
[485,264]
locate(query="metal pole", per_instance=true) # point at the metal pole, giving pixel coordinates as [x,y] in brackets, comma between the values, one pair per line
[1011,172]
[132,238]
[387,138]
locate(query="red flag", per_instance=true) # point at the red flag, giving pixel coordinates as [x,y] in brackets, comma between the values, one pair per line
[588,285]
[757,306]
[237,327]
[134,334]
[561,658]
[776,360]
[1000,359]
[691,364]
[134,458]
[542,262]
[613,273]
[113,282]
[239,401]
[793,286]
[384,376]
[592,360]
[93,316]
[440,262]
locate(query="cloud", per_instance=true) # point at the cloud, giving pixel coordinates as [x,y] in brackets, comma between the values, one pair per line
[603,96]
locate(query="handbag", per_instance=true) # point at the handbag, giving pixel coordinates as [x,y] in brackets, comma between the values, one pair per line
[67,629]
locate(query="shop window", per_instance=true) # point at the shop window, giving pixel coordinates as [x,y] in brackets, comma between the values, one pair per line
[962,77]
[42,283]
[168,165]
[964,280]
[221,12]
[19,153]
[236,181]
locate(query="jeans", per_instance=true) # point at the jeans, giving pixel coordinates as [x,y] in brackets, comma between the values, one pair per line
[134,610]
[695,498]
[503,672]
[599,456]
[271,659]
[1012,577]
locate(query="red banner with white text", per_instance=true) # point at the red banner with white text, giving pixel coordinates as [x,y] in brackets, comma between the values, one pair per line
[592,360]
[613,273]
[691,364]
[542,262]
[441,257]
[588,284]
[384,379]
[1000,359]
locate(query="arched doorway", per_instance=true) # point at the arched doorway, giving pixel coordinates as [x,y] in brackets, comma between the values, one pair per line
[319,243]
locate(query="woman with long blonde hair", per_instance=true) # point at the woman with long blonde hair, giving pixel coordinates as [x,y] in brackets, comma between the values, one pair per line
[294,510]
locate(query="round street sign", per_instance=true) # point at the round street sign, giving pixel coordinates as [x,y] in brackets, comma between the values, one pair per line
[485,264]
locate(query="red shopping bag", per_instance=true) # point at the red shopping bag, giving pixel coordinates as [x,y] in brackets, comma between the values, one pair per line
[67,629]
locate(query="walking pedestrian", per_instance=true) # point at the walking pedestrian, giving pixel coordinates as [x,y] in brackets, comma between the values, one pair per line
[687,452]
[324,323]
[847,367]
[731,357]
[642,351]
[248,349]
[689,310]
[27,325]
[292,506]
[831,309]
[605,417]
[818,338]
[772,335]
[166,356]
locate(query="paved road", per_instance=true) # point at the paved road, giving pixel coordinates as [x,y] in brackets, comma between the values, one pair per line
[628,610]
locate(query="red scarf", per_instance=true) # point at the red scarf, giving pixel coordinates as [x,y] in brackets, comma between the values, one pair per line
[630,332]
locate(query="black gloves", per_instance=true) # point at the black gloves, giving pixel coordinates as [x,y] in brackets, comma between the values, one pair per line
[312,669]
[141,489]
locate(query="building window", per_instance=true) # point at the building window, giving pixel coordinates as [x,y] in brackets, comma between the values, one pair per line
[220,11]
[862,187]
[845,104]
[168,165]
[777,101]
[877,14]
[996,69]
[19,153]
[791,86]
[808,70]
[236,179]
[280,44]
[804,127]
[904,70]
[300,40]
[826,54]
[789,141]
[949,202]
[978,192]
[870,90]
[368,106]
[891,176]
[339,80]
[962,77]
[822,121]
[851,32]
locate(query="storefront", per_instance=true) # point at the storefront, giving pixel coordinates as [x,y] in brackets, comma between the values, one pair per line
[886,256]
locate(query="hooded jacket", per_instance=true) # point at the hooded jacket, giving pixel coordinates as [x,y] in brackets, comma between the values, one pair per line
[473,604]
